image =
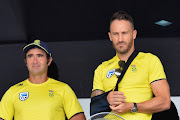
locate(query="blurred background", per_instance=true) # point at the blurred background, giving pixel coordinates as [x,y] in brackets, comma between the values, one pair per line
[76,32]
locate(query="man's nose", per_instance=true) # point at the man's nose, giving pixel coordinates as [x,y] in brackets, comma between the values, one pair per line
[120,38]
[35,59]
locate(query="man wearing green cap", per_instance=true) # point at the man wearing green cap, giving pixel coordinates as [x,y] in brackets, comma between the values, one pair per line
[40,97]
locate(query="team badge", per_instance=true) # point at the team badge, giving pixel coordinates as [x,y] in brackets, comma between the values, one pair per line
[51,93]
[23,96]
[110,73]
[133,68]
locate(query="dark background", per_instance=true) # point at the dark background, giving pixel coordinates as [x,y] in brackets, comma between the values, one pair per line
[76,32]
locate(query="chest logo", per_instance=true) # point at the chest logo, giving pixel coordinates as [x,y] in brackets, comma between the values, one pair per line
[51,93]
[133,68]
[110,73]
[23,96]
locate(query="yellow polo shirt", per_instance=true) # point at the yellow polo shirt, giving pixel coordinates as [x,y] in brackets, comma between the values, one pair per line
[52,100]
[144,69]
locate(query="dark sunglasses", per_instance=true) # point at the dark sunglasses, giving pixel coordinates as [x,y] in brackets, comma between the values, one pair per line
[118,71]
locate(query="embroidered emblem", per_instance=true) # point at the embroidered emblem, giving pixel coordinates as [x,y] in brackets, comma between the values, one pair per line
[23,96]
[37,42]
[110,73]
[133,68]
[51,93]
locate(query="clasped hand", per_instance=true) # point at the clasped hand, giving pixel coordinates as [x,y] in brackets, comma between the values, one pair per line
[117,102]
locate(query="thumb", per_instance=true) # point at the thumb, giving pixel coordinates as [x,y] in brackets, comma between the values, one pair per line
[113,107]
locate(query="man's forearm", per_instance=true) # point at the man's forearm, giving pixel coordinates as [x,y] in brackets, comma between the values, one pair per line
[156,104]
[160,102]
[96,93]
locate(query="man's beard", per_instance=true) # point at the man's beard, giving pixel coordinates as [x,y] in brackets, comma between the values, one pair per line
[121,50]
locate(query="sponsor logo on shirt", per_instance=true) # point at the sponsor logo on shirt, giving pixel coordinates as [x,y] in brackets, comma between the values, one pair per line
[23,96]
[110,73]
[51,93]
[21,84]
[110,63]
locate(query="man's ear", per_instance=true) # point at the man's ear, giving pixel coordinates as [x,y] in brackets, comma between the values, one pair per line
[134,34]
[49,61]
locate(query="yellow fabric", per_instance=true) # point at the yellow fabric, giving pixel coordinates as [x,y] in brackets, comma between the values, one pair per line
[47,101]
[143,70]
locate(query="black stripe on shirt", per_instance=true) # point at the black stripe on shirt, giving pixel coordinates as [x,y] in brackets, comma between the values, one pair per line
[158,80]
[76,114]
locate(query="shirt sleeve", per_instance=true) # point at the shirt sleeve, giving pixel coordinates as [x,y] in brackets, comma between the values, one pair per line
[71,103]
[156,70]
[6,106]
[97,81]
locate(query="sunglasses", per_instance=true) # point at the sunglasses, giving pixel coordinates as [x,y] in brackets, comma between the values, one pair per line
[118,71]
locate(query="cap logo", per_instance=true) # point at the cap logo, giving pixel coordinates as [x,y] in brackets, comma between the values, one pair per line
[37,42]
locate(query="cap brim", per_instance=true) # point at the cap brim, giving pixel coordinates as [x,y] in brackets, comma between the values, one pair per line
[29,46]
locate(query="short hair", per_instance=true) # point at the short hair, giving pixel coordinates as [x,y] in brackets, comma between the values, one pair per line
[121,15]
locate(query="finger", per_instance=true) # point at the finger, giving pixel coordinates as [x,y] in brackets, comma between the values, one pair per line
[118,99]
[116,103]
[113,96]
[119,96]
[117,93]
[113,107]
